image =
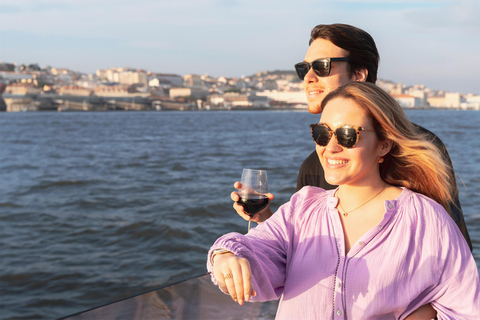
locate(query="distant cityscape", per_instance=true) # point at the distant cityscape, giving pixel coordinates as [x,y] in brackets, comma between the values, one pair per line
[34,88]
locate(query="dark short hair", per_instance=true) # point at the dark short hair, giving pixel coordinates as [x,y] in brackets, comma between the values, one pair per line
[360,45]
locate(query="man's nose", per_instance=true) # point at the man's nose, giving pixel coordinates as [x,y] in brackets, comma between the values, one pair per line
[310,76]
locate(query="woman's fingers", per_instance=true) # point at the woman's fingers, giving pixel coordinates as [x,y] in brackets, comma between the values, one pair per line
[238,207]
[234,283]
[247,281]
[220,277]
[235,278]
[241,211]
[234,196]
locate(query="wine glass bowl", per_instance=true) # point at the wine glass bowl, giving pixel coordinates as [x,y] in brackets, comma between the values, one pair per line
[253,191]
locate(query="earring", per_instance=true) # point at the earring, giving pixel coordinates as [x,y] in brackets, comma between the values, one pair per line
[380,160]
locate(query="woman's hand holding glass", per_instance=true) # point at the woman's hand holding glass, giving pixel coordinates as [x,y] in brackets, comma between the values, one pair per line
[258,217]
[234,276]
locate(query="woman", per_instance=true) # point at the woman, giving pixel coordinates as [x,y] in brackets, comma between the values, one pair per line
[379,246]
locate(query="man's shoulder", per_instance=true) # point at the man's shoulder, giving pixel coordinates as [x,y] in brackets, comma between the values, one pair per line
[312,157]
[427,132]
[311,163]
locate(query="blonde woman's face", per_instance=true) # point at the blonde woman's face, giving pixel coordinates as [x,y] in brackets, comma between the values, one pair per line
[357,166]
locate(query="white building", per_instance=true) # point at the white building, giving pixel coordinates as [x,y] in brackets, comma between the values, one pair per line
[297,97]
[453,100]
[436,101]
[13,76]
[193,81]
[421,94]
[406,101]
[133,77]
[188,92]
[165,80]
[387,86]
[472,102]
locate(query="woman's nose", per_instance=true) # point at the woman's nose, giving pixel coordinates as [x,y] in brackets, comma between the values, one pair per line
[333,145]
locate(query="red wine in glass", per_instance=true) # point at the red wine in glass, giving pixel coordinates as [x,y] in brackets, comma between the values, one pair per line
[253,192]
[252,204]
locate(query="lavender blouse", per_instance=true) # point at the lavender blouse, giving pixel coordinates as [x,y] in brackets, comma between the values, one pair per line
[414,256]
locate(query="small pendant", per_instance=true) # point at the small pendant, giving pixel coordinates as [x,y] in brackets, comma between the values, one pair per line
[345,214]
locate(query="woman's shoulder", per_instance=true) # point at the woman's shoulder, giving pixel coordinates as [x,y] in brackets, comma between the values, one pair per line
[423,209]
[411,198]
[431,225]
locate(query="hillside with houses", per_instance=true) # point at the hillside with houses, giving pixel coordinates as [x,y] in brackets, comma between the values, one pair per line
[35,88]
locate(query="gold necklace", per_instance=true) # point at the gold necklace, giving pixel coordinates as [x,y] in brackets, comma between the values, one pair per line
[345,213]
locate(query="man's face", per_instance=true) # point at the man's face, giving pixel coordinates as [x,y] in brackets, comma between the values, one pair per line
[316,88]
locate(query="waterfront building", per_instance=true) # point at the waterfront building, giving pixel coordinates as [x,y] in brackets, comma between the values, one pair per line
[216,101]
[22,104]
[288,97]
[234,99]
[192,81]
[102,75]
[196,93]
[436,101]
[118,91]
[397,89]
[165,80]
[420,94]
[386,85]
[258,101]
[453,100]
[472,102]
[132,77]
[8,76]
[22,88]
[406,101]
[74,91]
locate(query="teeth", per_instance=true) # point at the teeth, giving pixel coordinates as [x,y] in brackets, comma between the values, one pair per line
[333,162]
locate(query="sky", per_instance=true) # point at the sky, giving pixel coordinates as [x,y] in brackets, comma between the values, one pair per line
[431,42]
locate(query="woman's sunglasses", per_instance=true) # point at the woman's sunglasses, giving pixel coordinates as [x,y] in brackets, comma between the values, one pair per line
[347,135]
[321,67]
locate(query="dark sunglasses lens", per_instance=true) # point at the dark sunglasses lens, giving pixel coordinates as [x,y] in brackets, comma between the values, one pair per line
[346,137]
[302,69]
[321,135]
[321,68]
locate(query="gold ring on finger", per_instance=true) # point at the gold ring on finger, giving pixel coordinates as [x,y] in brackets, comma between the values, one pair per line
[228,276]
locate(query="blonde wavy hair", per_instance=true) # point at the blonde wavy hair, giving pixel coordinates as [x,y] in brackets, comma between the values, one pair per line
[413,162]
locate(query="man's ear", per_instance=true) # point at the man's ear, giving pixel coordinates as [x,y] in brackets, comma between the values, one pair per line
[360,75]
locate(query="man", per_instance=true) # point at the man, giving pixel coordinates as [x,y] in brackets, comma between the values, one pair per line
[355,58]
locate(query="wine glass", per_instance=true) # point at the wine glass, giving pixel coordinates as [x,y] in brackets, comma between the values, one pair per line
[253,192]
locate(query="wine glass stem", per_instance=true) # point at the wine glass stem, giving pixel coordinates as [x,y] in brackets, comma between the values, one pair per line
[249,223]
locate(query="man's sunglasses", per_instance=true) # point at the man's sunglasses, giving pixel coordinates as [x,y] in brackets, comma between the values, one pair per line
[321,67]
[347,135]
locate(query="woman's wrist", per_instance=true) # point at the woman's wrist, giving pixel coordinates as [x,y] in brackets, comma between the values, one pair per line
[217,252]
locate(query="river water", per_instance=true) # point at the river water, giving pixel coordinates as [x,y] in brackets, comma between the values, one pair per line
[95,207]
